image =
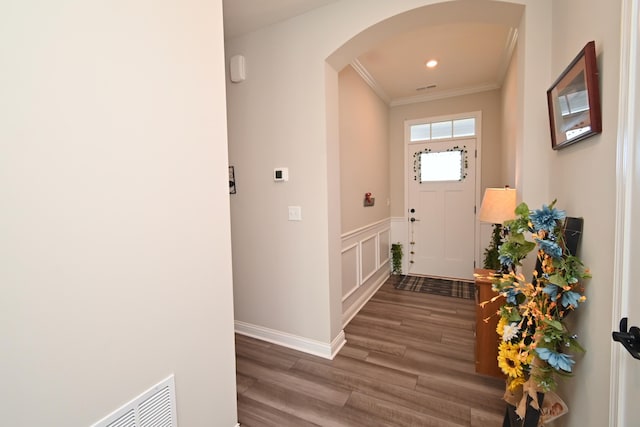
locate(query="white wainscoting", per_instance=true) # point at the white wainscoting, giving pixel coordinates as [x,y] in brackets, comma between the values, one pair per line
[365,265]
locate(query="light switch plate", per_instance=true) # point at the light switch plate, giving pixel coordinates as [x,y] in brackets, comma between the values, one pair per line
[295,213]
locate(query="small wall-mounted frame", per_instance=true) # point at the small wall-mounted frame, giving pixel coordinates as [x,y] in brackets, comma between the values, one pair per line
[368,200]
[574,101]
[232,181]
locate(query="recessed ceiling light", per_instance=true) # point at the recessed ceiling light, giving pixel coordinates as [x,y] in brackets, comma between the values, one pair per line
[431,63]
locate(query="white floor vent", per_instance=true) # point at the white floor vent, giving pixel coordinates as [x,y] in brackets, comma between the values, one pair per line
[155,407]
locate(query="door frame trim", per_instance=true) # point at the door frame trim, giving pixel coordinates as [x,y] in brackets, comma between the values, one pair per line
[627,133]
[478,167]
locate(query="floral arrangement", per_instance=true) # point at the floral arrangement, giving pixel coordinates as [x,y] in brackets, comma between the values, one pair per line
[536,347]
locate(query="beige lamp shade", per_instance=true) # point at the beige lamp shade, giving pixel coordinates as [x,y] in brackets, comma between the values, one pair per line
[498,205]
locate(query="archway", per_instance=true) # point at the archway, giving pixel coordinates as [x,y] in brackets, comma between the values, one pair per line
[361,262]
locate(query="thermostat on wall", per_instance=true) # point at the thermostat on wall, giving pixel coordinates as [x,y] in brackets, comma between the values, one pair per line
[281,174]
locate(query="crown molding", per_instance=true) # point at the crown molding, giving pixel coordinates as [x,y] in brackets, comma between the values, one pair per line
[359,68]
[373,84]
[509,47]
[444,94]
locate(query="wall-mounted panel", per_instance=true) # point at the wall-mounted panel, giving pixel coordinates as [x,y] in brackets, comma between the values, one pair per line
[365,265]
[369,252]
[350,270]
[384,245]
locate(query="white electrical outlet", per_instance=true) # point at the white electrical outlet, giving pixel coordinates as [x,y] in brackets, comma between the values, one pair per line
[295,213]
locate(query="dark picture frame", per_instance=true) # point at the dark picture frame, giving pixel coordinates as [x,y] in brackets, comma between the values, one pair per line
[574,101]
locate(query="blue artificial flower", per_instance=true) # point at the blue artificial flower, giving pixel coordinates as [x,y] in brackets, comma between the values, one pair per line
[550,248]
[505,260]
[570,298]
[556,360]
[551,290]
[511,296]
[546,218]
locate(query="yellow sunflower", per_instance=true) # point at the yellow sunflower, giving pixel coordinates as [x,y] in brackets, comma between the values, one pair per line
[514,383]
[527,357]
[509,360]
[500,327]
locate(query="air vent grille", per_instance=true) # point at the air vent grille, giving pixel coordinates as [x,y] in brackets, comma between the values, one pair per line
[156,411]
[155,407]
[126,420]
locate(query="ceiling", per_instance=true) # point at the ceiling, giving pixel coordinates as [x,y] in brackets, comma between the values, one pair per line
[245,16]
[472,56]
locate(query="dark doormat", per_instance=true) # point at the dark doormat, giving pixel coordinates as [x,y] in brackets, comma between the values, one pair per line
[434,285]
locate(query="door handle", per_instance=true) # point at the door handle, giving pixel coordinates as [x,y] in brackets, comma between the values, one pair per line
[629,339]
[413,219]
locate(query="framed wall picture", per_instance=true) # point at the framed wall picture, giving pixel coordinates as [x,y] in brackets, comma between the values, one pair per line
[574,101]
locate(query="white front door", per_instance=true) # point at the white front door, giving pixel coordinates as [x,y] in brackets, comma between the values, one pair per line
[441,201]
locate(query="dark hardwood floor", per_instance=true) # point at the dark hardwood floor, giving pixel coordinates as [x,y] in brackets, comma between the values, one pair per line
[408,361]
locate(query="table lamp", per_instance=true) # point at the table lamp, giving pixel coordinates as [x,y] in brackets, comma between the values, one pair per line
[498,205]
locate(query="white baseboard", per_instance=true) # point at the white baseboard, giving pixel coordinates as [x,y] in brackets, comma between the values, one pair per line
[337,344]
[306,345]
[362,300]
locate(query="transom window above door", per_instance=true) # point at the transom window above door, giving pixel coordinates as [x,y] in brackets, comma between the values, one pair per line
[447,129]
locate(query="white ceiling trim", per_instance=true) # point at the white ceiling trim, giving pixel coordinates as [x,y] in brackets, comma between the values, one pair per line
[509,47]
[366,76]
[444,94]
[359,68]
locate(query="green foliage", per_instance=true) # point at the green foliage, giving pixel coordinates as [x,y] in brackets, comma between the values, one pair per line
[491,254]
[396,258]
[517,247]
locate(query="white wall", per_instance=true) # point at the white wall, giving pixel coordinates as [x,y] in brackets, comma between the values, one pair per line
[533,71]
[364,167]
[278,117]
[114,231]
[509,123]
[364,152]
[582,177]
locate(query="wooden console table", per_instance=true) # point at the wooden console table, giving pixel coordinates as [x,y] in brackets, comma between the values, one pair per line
[486,336]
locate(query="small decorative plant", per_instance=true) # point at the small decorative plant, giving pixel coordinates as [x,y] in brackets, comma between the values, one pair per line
[536,346]
[491,254]
[396,258]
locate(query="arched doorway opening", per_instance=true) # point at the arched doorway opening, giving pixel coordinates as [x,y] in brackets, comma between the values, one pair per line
[366,233]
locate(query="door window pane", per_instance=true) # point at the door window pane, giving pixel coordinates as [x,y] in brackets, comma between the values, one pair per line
[464,127]
[441,166]
[441,130]
[445,129]
[421,132]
